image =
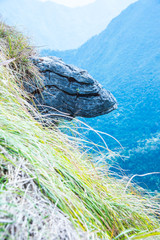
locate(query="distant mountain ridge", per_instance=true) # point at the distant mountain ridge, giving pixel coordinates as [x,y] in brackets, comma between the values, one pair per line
[125,58]
[58,27]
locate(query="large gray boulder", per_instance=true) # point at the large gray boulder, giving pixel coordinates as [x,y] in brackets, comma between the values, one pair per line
[68,91]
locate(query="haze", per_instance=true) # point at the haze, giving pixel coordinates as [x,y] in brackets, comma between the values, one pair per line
[71,3]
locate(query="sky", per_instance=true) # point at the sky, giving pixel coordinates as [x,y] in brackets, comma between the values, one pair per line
[71,3]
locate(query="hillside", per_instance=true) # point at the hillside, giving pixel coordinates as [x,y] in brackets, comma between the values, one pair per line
[125,58]
[49,23]
[50,188]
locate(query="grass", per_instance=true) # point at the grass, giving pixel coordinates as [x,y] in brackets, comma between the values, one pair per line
[95,202]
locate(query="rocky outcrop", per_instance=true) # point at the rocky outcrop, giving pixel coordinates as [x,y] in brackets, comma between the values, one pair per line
[68,91]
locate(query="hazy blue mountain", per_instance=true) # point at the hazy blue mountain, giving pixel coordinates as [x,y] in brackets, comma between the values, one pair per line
[58,27]
[125,58]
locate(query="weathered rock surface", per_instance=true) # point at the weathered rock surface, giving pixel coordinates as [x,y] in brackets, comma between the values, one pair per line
[69,91]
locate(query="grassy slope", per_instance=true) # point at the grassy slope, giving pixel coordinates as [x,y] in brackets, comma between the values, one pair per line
[93,200]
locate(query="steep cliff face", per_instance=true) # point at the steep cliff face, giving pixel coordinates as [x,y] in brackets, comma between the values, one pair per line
[69,91]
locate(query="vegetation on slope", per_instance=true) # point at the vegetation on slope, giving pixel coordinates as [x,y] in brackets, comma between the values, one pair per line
[125,58]
[87,193]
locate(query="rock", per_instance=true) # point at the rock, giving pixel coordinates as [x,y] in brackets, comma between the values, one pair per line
[68,91]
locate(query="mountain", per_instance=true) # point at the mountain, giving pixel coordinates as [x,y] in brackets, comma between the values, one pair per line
[125,58]
[58,27]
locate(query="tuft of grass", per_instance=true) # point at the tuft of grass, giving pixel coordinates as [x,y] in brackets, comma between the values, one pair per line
[25,213]
[17,53]
[93,200]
